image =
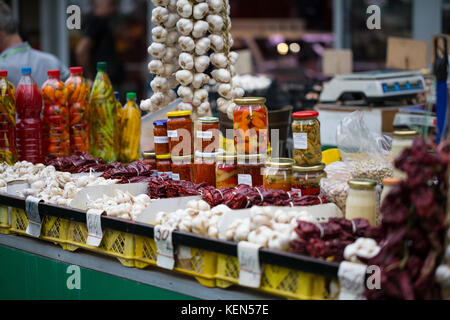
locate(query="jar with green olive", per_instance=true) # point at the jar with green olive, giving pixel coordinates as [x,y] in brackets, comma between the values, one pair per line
[306,179]
[306,136]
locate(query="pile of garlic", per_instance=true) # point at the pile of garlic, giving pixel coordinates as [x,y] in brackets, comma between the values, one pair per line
[122,205]
[165,52]
[19,171]
[198,217]
[363,247]
[269,228]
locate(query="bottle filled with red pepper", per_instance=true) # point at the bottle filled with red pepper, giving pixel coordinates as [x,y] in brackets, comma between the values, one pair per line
[160,138]
[208,135]
[150,159]
[183,168]
[251,169]
[179,132]
[205,169]
[226,171]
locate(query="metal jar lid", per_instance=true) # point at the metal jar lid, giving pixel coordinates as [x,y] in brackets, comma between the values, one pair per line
[362,184]
[149,155]
[163,157]
[405,134]
[250,100]
[280,163]
[310,168]
[208,120]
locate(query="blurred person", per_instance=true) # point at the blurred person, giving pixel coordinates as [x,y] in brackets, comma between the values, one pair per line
[98,42]
[16,54]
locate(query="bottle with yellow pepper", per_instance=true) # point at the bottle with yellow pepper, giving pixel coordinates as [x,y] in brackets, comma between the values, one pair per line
[8,151]
[130,125]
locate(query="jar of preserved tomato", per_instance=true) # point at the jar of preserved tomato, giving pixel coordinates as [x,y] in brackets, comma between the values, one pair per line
[306,132]
[226,171]
[251,126]
[150,159]
[179,132]
[251,169]
[160,138]
[306,179]
[207,135]
[164,164]
[205,169]
[278,174]
[183,168]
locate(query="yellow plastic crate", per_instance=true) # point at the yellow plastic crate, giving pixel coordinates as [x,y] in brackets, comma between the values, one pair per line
[291,284]
[201,265]
[19,221]
[114,243]
[4,220]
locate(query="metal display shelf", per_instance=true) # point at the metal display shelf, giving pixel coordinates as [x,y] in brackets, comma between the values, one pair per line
[279,258]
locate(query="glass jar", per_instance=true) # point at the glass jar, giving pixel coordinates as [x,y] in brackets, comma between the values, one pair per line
[164,164]
[179,133]
[401,141]
[182,168]
[160,138]
[306,135]
[278,174]
[362,200]
[388,184]
[208,135]
[205,169]
[306,179]
[251,126]
[150,159]
[251,169]
[226,171]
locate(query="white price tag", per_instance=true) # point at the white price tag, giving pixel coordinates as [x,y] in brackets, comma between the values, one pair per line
[94,225]
[34,219]
[175,176]
[250,269]
[161,140]
[300,141]
[165,251]
[205,135]
[352,278]
[172,134]
[245,179]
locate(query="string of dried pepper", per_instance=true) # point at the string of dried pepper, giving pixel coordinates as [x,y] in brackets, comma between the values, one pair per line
[56,117]
[8,151]
[78,97]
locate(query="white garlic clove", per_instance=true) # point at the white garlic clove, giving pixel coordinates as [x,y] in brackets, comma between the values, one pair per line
[172,37]
[217,43]
[184,77]
[203,109]
[186,61]
[172,6]
[200,79]
[221,75]
[171,21]
[202,46]
[170,54]
[159,84]
[224,90]
[215,23]
[184,9]
[187,44]
[215,6]
[200,10]
[157,50]
[233,56]
[199,97]
[169,70]
[159,15]
[200,29]
[185,26]
[201,63]
[159,34]
[219,60]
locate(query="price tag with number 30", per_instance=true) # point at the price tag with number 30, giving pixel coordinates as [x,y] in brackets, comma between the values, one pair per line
[165,250]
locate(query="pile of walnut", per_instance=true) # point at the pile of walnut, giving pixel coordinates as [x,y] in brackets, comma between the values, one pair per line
[46,183]
[197,26]
[122,205]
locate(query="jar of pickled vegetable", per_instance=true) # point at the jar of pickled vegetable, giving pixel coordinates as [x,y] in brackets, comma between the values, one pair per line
[8,151]
[306,132]
[251,126]
[205,169]
[251,169]
[164,164]
[207,135]
[362,200]
[226,171]
[183,168]
[388,184]
[306,179]
[278,174]
[150,159]
[160,138]
[179,132]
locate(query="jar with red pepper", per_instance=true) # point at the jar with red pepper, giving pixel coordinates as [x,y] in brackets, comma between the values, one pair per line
[150,159]
[251,169]
[207,135]
[179,132]
[183,168]
[205,169]
[160,138]
[164,164]
[226,171]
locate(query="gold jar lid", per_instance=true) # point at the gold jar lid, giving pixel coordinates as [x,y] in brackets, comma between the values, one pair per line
[280,163]
[174,114]
[362,184]
[405,133]
[188,157]
[250,100]
[163,156]
[226,157]
[310,168]
[208,120]
[149,155]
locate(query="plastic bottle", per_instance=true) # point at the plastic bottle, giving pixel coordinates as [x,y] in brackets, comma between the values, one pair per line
[56,128]
[103,117]
[78,98]
[29,124]
[119,113]
[8,151]
[131,130]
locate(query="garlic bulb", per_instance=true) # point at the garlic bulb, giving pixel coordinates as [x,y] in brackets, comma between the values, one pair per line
[171,21]
[200,96]
[200,29]
[200,79]
[215,23]
[160,15]
[217,43]
[221,75]
[159,84]
[185,93]
[185,26]
[185,77]
[185,106]
[170,54]
[184,8]
[159,34]
[187,44]
[172,37]
[156,66]
[202,46]
[157,50]
[219,60]
[224,90]
[186,61]
[201,64]
[200,10]
[215,6]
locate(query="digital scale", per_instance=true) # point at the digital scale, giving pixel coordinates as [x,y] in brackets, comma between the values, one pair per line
[376,86]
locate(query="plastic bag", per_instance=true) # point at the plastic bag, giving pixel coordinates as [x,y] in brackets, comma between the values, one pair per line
[336,191]
[365,152]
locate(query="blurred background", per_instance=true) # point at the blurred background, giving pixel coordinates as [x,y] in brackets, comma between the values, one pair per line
[283,40]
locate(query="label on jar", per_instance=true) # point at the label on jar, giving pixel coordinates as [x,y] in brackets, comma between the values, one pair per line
[161,140]
[175,176]
[245,179]
[300,141]
[207,135]
[172,134]
[307,191]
